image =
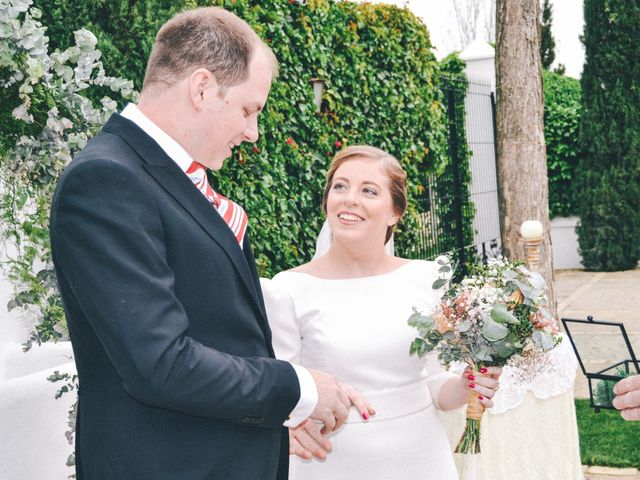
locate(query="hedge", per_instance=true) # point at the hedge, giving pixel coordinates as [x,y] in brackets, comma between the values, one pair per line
[381,88]
[561,125]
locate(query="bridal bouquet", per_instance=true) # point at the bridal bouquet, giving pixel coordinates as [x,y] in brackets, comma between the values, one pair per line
[495,316]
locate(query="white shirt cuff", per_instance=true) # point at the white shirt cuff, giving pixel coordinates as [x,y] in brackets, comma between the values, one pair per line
[308,398]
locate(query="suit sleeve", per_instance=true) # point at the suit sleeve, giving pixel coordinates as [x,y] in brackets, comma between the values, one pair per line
[109,251]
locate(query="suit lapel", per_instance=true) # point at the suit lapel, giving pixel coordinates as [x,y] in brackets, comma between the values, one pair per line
[174,181]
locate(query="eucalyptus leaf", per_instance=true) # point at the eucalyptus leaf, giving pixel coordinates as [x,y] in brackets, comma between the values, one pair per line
[493,331]
[531,293]
[483,356]
[439,283]
[448,335]
[536,280]
[546,341]
[504,348]
[421,322]
[417,347]
[540,339]
[464,326]
[501,314]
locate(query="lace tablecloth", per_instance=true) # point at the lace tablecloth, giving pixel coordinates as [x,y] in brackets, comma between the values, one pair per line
[556,376]
[531,432]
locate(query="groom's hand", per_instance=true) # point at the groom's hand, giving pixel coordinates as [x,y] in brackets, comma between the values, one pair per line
[307,441]
[333,403]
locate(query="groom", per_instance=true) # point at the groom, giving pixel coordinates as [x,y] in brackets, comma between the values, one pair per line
[159,284]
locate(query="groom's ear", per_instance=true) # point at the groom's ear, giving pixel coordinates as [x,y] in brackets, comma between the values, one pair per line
[202,85]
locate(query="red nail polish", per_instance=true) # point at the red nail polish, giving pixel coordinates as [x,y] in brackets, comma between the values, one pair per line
[483,370]
[472,385]
[471,377]
[365,416]
[480,397]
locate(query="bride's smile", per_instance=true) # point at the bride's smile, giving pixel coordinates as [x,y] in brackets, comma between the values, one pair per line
[350,218]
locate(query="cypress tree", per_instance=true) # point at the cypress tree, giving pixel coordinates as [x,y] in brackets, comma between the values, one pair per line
[547,43]
[608,195]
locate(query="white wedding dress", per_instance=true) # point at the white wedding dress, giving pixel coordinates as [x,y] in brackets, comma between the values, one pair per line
[357,330]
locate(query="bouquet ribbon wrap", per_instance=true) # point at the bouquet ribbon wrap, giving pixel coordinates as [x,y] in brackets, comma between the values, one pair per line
[470,440]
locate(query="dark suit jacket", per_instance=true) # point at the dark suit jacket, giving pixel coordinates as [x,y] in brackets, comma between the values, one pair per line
[166,317]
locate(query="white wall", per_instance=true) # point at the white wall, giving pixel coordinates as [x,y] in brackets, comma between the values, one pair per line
[564,241]
[33,445]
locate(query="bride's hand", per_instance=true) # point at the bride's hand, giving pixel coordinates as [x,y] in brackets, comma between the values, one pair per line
[307,441]
[485,382]
[358,400]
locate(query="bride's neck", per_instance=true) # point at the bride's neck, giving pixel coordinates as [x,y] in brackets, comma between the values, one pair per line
[356,262]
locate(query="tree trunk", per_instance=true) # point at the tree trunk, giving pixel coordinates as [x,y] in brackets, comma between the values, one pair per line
[522,158]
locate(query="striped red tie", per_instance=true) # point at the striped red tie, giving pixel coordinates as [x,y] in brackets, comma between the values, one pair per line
[230,211]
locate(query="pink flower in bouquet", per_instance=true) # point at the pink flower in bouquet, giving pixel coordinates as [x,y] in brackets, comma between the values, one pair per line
[546,323]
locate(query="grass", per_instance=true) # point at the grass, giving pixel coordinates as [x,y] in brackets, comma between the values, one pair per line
[606,439]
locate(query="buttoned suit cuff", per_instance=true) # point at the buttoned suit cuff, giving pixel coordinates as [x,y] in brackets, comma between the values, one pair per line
[308,398]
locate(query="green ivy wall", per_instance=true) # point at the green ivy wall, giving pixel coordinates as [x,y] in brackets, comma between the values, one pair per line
[381,88]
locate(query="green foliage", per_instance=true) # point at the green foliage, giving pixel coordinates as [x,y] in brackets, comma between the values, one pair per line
[609,219]
[547,43]
[524,327]
[606,438]
[608,184]
[561,124]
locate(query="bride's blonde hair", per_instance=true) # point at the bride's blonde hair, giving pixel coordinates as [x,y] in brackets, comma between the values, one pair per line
[391,168]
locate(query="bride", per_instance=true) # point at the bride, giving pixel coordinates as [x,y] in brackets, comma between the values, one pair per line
[346,312]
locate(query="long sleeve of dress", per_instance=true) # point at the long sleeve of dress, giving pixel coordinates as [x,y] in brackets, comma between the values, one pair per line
[287,345]
[437,375]
[287,338]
